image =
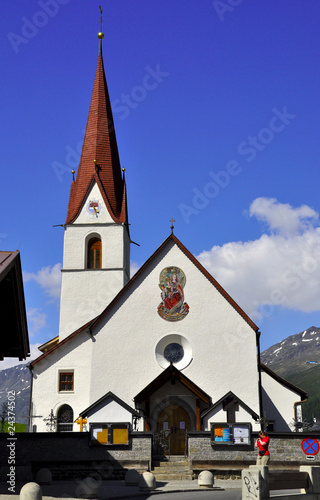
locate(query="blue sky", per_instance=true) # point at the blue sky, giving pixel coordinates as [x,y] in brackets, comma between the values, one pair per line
[216,108]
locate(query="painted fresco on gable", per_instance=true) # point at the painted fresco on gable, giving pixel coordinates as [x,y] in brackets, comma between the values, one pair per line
[93,207]
[172,282]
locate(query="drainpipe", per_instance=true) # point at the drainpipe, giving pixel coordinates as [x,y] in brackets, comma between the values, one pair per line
[30,399]
[295,413]
[259,381]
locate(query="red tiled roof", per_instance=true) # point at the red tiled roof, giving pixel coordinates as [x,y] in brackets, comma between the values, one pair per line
[91,324]
[99,144]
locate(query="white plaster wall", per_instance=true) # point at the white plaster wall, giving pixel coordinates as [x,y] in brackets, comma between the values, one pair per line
[282,400]
[223,344]
[111,412]
[113,241]
[75,355]
[85,293]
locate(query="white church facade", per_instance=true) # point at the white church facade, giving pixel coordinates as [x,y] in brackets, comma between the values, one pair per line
[167,350]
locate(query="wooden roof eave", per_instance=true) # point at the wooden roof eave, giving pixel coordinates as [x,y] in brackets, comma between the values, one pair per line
[171,374]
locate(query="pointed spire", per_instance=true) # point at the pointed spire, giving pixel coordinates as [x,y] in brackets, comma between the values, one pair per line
[99,160]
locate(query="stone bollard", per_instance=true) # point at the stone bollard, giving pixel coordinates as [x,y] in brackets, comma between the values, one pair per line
[31,491]
[88,488]
[147,481]
[132,477]
[205,479]
[44,476]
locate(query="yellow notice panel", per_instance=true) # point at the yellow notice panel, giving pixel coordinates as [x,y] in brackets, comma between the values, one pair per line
[218,431]
[102,436]
[120,436]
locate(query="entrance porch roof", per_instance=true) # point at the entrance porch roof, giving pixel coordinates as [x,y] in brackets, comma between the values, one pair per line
[171,374]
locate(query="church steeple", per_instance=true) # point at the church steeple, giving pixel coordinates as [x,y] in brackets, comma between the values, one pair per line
[99,160]
[96,256]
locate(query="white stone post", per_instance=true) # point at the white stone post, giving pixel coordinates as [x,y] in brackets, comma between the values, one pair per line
[147,481]
[264,469]
[31,491]
[314,478]
[88,488]
[253,485]
[205,479]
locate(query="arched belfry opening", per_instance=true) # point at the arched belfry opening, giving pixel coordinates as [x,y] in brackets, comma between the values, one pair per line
[94,253]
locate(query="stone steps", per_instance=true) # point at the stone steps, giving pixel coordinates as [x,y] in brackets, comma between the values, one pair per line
[173,477]
[175,469]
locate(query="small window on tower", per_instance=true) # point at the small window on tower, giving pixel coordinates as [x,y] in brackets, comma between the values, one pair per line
[94,254]
[66,381]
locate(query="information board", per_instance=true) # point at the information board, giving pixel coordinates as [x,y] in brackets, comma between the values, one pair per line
[241,434]
[109,434]
[231,434]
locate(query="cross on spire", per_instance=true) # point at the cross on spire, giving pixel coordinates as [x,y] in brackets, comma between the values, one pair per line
[172,226]
[101,20]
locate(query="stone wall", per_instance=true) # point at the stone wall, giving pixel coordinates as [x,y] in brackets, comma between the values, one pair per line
[70,455]
[285,452]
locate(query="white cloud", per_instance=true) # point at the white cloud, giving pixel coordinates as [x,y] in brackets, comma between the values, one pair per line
[278,269]
[282,218]
[36,319]
[133,268]
[9,362]
[49,278]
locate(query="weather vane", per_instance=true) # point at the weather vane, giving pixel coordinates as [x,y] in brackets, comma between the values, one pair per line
[172,226]
[101,20]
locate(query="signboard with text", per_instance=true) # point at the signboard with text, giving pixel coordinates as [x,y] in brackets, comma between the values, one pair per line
[231,434]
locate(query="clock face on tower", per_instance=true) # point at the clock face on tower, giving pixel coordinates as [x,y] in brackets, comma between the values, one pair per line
[93,207]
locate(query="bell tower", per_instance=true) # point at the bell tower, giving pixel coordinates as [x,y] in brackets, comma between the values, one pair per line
[96,255]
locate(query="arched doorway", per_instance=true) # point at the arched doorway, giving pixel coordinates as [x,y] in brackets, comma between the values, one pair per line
[175,420]
[65,419]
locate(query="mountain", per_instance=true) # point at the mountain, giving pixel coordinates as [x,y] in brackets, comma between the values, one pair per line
[16,379]
[297,359]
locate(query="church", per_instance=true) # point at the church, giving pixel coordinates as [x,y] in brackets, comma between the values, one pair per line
[167,351]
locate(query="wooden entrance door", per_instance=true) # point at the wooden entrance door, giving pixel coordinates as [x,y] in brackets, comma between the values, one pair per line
[175,419]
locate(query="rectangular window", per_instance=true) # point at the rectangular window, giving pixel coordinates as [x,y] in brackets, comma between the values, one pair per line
[66,381]
[271,426]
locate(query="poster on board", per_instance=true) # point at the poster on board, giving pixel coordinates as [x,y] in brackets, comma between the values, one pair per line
[241,434]
[231,434]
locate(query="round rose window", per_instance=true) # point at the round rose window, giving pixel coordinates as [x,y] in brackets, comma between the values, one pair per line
[173,348]
[173,352]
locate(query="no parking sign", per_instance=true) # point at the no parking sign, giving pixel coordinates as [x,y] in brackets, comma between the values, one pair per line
[310,446]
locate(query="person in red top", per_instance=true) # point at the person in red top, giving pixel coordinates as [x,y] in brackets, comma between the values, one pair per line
[263,444]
